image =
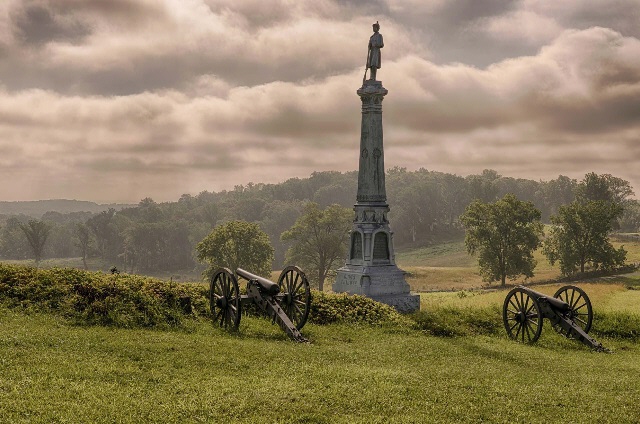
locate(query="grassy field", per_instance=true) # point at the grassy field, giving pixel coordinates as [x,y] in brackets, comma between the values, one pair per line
[51,371]
[448,267]
[54,371]
[606,297]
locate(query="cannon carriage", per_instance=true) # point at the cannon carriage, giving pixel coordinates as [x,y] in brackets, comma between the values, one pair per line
[287,302]
[569,311]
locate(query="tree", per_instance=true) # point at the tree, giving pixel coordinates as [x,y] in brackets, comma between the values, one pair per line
[580,236]
[37,233]
[13,243]
[278,217]
[319,239]
[504,234]
[157,246]
[630,221]
[603,187]
[105,232]
[556,193]
[237,244]
[83,242]
[482,187]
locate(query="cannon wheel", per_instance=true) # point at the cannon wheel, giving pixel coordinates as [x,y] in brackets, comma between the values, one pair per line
[224,298]
[580,311]
[295,295]
[521,316]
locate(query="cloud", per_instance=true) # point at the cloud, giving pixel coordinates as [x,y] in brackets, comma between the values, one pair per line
[522,25]
[98,47]
[120,100]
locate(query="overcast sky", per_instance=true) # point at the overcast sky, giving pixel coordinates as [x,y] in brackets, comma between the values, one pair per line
[117,100]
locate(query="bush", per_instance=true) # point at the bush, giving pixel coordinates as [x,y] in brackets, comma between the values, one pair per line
[135,301]
[451,321]
[107,299]
[327,308]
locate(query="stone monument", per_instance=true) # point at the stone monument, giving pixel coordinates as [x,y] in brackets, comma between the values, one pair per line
[371,269]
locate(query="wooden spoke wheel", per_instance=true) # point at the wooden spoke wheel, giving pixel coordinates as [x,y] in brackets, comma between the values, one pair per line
[521,316]
[580,311]
[224,298]
[295,295]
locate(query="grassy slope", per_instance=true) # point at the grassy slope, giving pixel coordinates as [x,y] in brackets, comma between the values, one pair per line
[445,266]
[53,372]
[606,297]
[448,267]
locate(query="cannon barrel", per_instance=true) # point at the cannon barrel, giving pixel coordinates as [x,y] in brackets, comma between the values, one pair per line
[569,311]
[556,304]
[268,287]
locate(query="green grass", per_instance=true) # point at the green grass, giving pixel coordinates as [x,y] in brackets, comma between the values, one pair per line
[448,254]
[54,369]
[447,266]
[51,371]
[616,310]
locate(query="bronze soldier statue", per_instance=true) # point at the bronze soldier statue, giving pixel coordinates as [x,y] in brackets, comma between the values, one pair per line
[373,56]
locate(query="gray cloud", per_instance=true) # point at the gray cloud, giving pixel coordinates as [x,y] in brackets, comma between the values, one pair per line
[36,24]
[119,100]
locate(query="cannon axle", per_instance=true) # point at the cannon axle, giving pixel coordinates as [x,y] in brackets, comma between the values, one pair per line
[569,311]
[287,302]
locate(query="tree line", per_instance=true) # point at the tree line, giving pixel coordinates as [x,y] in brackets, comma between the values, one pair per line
[425,207]
[505,233]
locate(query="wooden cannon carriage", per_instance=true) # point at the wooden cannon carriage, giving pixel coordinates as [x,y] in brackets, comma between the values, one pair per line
[569,311]
[287,302]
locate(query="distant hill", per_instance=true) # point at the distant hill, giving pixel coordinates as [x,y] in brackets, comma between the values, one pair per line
[37,208]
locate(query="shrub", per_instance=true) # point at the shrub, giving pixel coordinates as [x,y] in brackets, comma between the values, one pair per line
[107,299]
[327,308]
[451,321]
[132,301]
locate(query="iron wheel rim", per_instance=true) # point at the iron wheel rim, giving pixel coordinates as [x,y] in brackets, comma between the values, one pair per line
[521,316]
[295,295]
[580,310]
[224,299]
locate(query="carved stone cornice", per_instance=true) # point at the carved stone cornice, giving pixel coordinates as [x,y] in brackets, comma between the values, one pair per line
[372,93]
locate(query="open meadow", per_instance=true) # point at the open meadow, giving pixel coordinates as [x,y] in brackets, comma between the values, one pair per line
[448,266]
[51,371]
[452,362]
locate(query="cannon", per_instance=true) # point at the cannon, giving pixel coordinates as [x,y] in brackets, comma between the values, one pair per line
[287,302]
[569,311]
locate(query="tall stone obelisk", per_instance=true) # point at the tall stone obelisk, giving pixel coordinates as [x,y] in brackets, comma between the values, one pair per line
[370,268]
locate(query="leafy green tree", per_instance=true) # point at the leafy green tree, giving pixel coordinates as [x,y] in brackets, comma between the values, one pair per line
[37,233]
[504,234]
[13,243]
[483,187]
[157,246]
[83,241]
[556,193]
[319,239]
[603,187]
[580,236]
[630,221]
[105,232]
[237,244]
[277,218]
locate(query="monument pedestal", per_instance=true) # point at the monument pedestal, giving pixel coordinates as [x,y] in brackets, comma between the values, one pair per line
[370,269]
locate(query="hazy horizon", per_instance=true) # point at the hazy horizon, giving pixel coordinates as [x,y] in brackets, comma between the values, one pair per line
[112,102]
